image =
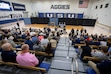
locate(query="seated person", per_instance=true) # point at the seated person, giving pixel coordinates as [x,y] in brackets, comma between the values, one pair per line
[86,50]
[103,43]
[24,36]
[77,40]
[48,48]
[103,67]
[41,36]
[37,47]
[44,42]
[96,43]
[53,42]
[8,54]
[29,42]
[25,58]
[100,54]
[34,38]
[10,40]
[109,51]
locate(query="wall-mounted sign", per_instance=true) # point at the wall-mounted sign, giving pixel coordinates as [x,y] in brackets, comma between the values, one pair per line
[60,7]
[49,15]
[10,16]
[18,7]
[5,17]
[5,6]
[70,15]
[16,16]
[61,15]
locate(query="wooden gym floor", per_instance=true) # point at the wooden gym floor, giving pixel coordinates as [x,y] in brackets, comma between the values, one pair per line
[68,27]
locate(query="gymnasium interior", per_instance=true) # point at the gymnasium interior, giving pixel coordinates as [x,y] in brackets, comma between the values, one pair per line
[65,36]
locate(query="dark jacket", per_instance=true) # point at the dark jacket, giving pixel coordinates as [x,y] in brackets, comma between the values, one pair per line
[30,43]
[8,56]
[86,51]
[104,67]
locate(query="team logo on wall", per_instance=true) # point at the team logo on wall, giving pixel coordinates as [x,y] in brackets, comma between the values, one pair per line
[60,15]
[50,15]
[70,15]
[60,7]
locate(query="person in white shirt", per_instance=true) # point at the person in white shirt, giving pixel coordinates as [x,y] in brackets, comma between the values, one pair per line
[44,42]
[103,43]
[101,54]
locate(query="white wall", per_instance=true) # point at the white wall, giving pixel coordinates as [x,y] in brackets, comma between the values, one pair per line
[104,14]
[13,24]
[35,6]
[45,5]
[25,2]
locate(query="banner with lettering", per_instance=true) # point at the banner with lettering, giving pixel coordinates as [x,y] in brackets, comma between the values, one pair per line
[18,7]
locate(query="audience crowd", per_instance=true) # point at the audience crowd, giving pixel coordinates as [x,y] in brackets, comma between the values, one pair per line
[27,40]
[101,51]
[46,41]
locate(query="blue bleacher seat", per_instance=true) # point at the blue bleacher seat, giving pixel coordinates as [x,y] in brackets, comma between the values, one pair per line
[45,65]
[90,71]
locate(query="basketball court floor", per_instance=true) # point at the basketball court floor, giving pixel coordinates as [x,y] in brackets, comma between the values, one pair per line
[90,29]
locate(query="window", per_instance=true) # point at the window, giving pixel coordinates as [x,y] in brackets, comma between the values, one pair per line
[101,6]
[96,7]
[106,6]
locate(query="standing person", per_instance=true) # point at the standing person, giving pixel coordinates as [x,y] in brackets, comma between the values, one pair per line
[72,31]
[77,31]
[81,30]
[18,25]
[85,31]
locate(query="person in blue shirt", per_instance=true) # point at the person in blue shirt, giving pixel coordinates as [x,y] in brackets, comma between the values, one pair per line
[29,42]
[34,38]
[24,36]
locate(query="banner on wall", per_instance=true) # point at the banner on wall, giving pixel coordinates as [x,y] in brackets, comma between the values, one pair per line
[50,15]
[5,17]
[16,16]
[10,16]
[18,7]
[61,15]
[70,15]
[5,6]
[41,15]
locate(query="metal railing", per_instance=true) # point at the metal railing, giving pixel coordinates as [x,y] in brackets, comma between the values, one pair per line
[76,66]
